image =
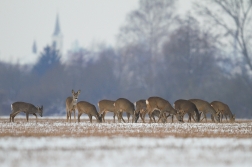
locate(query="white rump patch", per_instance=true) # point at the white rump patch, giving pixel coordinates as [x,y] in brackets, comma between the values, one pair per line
[11,107]
[114,104]
[147,102]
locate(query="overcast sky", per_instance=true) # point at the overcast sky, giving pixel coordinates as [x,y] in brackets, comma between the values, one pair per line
[88,21]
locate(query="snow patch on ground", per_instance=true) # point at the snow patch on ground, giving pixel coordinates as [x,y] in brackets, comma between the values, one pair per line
[124,151]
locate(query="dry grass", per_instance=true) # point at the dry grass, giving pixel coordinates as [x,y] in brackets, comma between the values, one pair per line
[59,127]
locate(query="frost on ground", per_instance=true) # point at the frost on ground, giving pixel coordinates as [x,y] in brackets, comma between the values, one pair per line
[124,151]
[60,128]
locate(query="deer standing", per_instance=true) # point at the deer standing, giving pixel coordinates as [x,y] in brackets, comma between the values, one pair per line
[71,104]
[124,105]
[89,109]
[106,106]
[223,109]
[158,103]
[205,107]
[185,106]
[27,108]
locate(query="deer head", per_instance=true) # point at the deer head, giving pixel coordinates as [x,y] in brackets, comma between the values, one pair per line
[40,110]
[75,96]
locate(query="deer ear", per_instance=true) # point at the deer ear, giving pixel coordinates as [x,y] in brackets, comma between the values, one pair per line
[72,91]
[79,91]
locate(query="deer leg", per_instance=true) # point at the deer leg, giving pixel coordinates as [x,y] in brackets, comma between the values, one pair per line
[103,116]
[114,117]
[212,118]
[160,115]
[150,117]
[90,118]
[192,116]
[74,116]
[121,115]
[35,116]
[12,117]
[70,115]
[27,116]
[14,114]
[79,114]
[67,114]
[226,118]
[128,116]
[205,116]
[221,116]
[142,117]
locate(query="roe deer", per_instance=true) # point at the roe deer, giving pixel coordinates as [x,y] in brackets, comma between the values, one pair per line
[157,114]
[223,109]
[89,109]
[158,103]
[124,105]
[205,107]
[141,109]
[27,108]
[71,104]
[186,106]
[107,106]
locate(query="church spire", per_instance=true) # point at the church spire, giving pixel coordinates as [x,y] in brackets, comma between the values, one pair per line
[57,27]
[57,37]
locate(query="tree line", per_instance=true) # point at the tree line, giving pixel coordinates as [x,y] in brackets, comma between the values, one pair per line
[158,53]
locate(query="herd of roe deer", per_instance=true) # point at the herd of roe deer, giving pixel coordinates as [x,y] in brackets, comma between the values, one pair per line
[153,106]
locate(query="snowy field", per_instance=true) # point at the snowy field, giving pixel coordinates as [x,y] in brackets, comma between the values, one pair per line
[53,142]
[121,151]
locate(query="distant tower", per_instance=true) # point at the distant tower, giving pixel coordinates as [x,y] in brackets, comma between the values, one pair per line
[57,37]
[34,47]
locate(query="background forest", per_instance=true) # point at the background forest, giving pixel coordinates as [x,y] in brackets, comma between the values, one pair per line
[205,54]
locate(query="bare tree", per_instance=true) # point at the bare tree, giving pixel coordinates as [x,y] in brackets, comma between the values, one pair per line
[234,18]
[189,58]
[149,24]
[140,41]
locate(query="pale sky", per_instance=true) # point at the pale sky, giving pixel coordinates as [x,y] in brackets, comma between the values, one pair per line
[88,21]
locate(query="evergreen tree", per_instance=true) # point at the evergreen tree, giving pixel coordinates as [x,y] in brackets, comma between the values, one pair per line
[48,59]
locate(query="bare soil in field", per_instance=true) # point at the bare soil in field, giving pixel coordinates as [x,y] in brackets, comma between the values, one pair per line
[58,127]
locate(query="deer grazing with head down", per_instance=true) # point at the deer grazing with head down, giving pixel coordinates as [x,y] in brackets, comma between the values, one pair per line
[71,104]
[158,103]
[205,108]
[187,107]
[223,109]
[124,105]
[141,109]
[107,106]
[89,109]
[27,108]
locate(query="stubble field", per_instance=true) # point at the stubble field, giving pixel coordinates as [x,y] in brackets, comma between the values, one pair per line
[54,142]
